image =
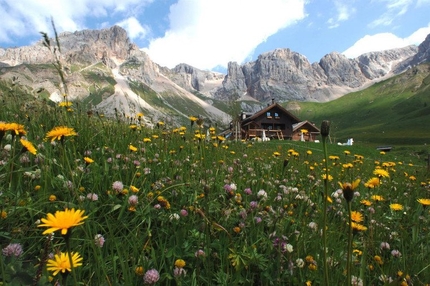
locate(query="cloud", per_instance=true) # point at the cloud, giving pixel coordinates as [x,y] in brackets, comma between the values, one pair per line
[344,11]
[394,9]
[220,31]
[385,41]
[134,29]
[25,18]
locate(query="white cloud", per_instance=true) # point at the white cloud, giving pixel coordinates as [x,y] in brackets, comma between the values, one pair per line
[344,11]
[28,17]
[385,41]
[394,9]
[134,29]
[220,31]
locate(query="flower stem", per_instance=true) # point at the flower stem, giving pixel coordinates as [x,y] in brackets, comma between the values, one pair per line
[349,251]
[326,280]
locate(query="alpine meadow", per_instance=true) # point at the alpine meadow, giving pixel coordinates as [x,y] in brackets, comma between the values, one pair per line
[88,198]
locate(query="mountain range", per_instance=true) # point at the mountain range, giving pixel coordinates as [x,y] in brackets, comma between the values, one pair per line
[110,74]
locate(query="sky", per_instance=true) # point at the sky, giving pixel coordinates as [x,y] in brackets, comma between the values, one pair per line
[208,34]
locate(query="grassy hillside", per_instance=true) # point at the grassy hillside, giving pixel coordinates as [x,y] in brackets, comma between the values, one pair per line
[394,111]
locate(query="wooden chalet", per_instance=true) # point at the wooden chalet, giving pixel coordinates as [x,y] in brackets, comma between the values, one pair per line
[305,131]
[273,122]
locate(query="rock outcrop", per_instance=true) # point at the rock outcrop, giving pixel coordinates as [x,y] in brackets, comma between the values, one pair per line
[286,75]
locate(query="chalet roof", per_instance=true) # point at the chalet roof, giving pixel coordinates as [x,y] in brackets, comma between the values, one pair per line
[268,108]
[301,124]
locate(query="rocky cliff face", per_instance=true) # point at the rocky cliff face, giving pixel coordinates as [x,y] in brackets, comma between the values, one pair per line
[286,75]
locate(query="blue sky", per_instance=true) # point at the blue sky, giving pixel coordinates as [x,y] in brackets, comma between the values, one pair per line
[208,34]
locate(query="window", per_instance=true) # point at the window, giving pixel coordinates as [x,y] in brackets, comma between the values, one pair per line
[268,115]
[276,115]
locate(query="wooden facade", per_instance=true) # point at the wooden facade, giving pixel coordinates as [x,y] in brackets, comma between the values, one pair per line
[273,122]
[305,131]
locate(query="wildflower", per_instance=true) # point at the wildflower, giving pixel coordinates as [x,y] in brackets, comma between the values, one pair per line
[384,245]
[92,197]
[348,189]
[200,253]
[52,198]
[17,129]
[183,212]
[276,154]
[358,227]
[133,200]
[424,202]
[236,229]
[12,250]
[377,198]
[396,207]
[329,178]
[139,270]
[356,216]
[88,160]
[178,271]
[61,262]
[300,263]
[151,277]
[63,220]
[99,240]
[28,146]
[180,263]
[58,133]
[3,214]
[356,281]
[396,253]
[117,186]
[378,259]
[372,183]
[132,148]
[381,173]
[262,194]
[146,140]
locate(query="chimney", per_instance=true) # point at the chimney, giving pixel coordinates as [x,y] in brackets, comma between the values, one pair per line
[273,101]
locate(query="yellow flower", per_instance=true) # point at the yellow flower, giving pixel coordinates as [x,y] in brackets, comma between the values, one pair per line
[367,203]
[146,140]
[309,152]
[88,160]
[132,148]
[58,133]
[346,152]
[424,202]
[52,198]
[3,214]
[381,173]
[330,177]
[276,154]
[18,129]
[65,104]
[358,227]
[180,263]
[139,271]
[236,229]
[377,198]
[372,183]
[28,146]
[356,216]
[396,207]
[63,220]
[61,262]
[134,189]
[378,259]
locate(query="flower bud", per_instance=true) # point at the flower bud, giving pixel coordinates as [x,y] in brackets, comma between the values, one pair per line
[325,128]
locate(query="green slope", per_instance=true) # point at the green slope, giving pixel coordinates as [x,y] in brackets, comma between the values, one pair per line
[394,111]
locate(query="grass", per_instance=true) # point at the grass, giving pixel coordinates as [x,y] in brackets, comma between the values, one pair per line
[394,111]
[236,213]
